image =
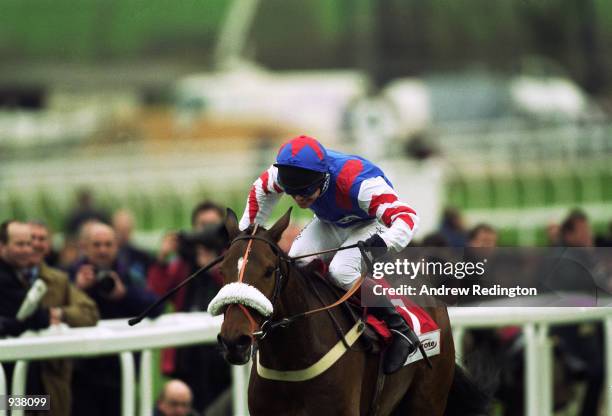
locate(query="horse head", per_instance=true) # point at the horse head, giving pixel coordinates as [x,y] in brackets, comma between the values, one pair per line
[251,272]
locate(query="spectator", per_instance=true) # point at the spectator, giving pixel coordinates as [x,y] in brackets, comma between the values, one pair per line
[118,294]
[573,268]
[576,230]
[482,236]
[453,228]
[66,304]
[170,269]
[15,280]
[83,211]
[136,260]
[582,342]
[201,367]
[435,240]
[480,246]
[52,257]
[175,400]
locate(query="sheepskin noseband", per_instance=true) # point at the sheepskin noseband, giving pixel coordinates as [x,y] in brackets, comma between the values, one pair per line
[245,294]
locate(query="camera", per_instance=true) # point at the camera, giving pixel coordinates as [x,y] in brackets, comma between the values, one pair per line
[105,283]
[212,237]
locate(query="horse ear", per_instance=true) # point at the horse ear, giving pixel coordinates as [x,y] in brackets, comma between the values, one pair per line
[279,226]
[231,224]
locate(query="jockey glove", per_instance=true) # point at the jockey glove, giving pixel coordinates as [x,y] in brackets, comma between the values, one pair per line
[375,246]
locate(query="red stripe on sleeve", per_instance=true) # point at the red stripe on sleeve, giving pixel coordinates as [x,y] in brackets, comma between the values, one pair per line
[389,212]
[346,178]
[253,205]
[264,182]
[407,219]
[378,200]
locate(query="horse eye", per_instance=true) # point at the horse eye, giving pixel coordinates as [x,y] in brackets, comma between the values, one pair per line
[269,271]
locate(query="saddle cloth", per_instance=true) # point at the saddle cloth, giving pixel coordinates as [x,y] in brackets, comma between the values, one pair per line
[417,318]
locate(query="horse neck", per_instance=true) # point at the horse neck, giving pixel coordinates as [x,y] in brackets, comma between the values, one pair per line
[306,337]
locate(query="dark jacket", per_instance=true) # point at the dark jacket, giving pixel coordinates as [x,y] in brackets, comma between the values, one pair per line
[103,373]
[12,294]
[50,377]
[136,299]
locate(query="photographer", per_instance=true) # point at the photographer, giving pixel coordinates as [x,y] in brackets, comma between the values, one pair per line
[201,367]
[183,253]
[106,279]
[118,294]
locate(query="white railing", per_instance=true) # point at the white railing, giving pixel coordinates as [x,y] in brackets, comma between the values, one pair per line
[535,323]
[116,337]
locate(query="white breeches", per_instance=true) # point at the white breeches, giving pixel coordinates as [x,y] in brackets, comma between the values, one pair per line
[345,267]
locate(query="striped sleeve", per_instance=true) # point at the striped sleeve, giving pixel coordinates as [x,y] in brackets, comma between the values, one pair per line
[263,196]
[379,199]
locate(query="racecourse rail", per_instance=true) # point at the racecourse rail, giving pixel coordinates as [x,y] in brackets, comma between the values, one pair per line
[117,338]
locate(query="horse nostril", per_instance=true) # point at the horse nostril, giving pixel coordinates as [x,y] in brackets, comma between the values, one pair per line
[243,341]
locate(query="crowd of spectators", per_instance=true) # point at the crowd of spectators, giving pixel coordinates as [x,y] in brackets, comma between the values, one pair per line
[101,274]
[578,348]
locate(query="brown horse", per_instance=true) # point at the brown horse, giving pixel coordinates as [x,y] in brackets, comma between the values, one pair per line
[348,387]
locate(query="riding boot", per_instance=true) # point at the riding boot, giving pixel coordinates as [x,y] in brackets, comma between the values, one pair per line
[404,341]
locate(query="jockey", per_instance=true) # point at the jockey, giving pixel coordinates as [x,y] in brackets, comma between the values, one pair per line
[352,201]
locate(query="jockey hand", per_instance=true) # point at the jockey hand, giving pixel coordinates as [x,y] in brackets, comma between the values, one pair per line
[375,246]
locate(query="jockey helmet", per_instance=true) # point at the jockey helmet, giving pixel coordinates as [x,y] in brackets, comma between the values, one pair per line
[302,165]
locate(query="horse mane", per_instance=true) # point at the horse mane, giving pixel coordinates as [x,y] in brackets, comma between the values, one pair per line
[326,289]
[249,229]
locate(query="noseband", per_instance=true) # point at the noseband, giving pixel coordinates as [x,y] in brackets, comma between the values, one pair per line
[280,256]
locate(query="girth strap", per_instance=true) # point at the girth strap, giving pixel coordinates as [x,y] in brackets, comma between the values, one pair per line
[320,366]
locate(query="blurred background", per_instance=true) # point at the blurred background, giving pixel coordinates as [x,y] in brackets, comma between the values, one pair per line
[502,108]
[479,112]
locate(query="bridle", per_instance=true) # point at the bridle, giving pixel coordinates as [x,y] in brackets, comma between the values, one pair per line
[278,282]
[269,324]
[278,277]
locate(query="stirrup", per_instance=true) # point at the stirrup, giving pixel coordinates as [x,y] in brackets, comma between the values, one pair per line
[411,342]
[417,345]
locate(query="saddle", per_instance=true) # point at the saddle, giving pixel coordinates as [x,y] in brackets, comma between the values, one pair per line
[376,335]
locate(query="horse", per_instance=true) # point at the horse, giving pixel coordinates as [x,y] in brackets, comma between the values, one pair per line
[351,386]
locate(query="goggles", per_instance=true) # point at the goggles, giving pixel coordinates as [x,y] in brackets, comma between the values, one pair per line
[307,190]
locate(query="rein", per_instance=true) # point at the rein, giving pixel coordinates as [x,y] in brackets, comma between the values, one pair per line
[282,257]
[269,325]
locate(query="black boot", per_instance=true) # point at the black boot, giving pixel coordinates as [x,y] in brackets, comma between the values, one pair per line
[404,342]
